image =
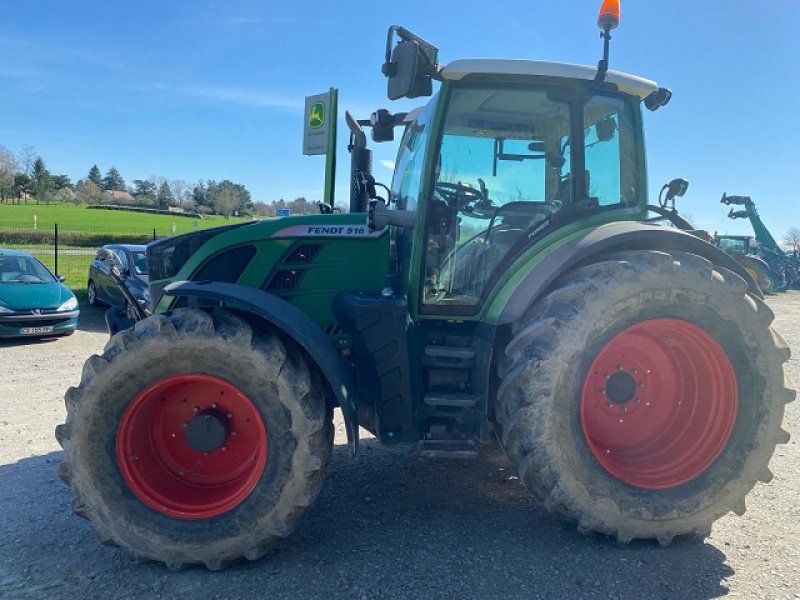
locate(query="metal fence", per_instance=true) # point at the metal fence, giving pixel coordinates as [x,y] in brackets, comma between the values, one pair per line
[69,252]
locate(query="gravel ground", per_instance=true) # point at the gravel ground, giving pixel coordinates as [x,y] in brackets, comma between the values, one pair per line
[389,524]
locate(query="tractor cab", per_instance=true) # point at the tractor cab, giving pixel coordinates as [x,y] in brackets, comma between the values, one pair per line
[505,154]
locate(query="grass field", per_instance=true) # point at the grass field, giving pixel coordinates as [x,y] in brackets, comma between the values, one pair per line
[75,265]
[78,218]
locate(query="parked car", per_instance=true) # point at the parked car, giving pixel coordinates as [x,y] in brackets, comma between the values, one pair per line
[132,265]
[33,301]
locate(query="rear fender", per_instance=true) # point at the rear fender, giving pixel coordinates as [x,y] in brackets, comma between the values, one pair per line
[294,323]
[606,240]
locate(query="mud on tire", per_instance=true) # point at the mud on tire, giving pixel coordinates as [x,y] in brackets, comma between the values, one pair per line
[553,427]
[273,384]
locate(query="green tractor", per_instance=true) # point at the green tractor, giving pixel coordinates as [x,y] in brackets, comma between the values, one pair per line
[504,289]
[781,267]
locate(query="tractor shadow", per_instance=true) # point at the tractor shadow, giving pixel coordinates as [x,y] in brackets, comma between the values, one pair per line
[389,524]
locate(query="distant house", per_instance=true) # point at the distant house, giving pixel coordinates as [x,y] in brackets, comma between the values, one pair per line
[117,197]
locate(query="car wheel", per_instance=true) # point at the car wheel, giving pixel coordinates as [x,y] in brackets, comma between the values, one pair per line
[92,291]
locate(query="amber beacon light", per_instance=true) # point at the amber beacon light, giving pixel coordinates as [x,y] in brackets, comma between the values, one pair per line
[608,17]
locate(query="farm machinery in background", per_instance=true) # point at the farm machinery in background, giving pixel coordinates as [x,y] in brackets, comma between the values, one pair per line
[783,272]
[507,289]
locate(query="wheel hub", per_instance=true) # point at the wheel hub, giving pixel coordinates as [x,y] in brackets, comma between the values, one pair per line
[620,387]
[207,431]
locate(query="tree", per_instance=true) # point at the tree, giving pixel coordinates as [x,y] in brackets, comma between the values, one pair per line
[113,180]
[26,158]
[95,177]
[145,192]
[22,187]
[41,181]
[226,193]
[792,238]
[8,168]
[165,198]
[200,194]
[225,201]
[88,192]
[62,181]
[180,190]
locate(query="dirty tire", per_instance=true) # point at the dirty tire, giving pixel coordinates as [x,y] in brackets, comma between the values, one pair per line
[549,369]
[279,389]
[759,272]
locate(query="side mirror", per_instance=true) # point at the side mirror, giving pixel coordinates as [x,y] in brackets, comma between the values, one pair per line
[410,66]
[677,188]
[61,278]
[107,255]
[406,82]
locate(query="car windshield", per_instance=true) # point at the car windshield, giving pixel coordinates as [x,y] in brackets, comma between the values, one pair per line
[139,266]
[23,269]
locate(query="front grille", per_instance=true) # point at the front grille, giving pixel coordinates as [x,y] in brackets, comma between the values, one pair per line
[33,322]
[284,280]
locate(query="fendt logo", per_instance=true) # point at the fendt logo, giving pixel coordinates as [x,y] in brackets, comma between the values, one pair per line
[316,116]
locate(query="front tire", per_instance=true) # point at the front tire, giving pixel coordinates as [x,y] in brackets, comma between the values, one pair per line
[643,396]
[91,291]
[195,439]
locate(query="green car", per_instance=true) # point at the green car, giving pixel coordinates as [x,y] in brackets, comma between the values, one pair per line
[33,301]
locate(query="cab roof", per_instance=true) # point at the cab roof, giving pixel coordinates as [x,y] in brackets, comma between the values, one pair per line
[629,84]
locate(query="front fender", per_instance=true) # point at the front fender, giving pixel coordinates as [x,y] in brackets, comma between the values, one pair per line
[294,323]
[605,240]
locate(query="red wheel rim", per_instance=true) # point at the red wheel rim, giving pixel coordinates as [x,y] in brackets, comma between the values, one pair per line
[160,460]
[659,403]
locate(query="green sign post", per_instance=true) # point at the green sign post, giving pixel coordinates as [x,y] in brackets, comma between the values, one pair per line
[319,134]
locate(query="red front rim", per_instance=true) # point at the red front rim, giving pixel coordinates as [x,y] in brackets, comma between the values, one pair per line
[659,403]
[160,461]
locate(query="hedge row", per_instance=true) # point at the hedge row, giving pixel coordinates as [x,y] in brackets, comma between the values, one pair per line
[69,238]
[152,211]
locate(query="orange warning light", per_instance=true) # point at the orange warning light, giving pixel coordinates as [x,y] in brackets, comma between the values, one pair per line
[608,18]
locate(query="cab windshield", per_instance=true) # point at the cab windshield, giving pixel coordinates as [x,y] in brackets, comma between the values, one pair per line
[505,169]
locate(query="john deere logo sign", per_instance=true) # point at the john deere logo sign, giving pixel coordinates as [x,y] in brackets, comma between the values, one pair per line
[316,116]
[319,122]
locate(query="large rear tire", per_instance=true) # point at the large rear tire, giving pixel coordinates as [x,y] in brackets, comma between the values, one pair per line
[195,439]
[643,396]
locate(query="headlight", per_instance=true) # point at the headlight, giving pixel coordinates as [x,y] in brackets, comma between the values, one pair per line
[4,310]
[70,304]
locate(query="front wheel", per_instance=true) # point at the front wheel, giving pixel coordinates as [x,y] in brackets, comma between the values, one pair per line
[91,291]
[195,439]
[643,396]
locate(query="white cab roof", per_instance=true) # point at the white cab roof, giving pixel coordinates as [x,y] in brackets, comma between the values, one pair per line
[629,84]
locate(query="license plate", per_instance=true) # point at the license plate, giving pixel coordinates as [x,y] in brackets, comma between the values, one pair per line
[36,330]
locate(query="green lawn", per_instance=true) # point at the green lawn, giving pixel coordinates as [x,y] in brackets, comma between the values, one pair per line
[78,218]
[91,224]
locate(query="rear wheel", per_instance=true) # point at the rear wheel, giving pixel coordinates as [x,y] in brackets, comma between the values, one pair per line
[643,397]
[194,439]
[91,291]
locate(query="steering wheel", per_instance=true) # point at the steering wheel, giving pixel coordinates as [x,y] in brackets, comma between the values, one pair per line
[458,195]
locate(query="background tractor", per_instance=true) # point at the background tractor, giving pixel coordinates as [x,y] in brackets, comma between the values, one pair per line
[781,268]
[505,288]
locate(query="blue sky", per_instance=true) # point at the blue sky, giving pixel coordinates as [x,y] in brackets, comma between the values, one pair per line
[213,90]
